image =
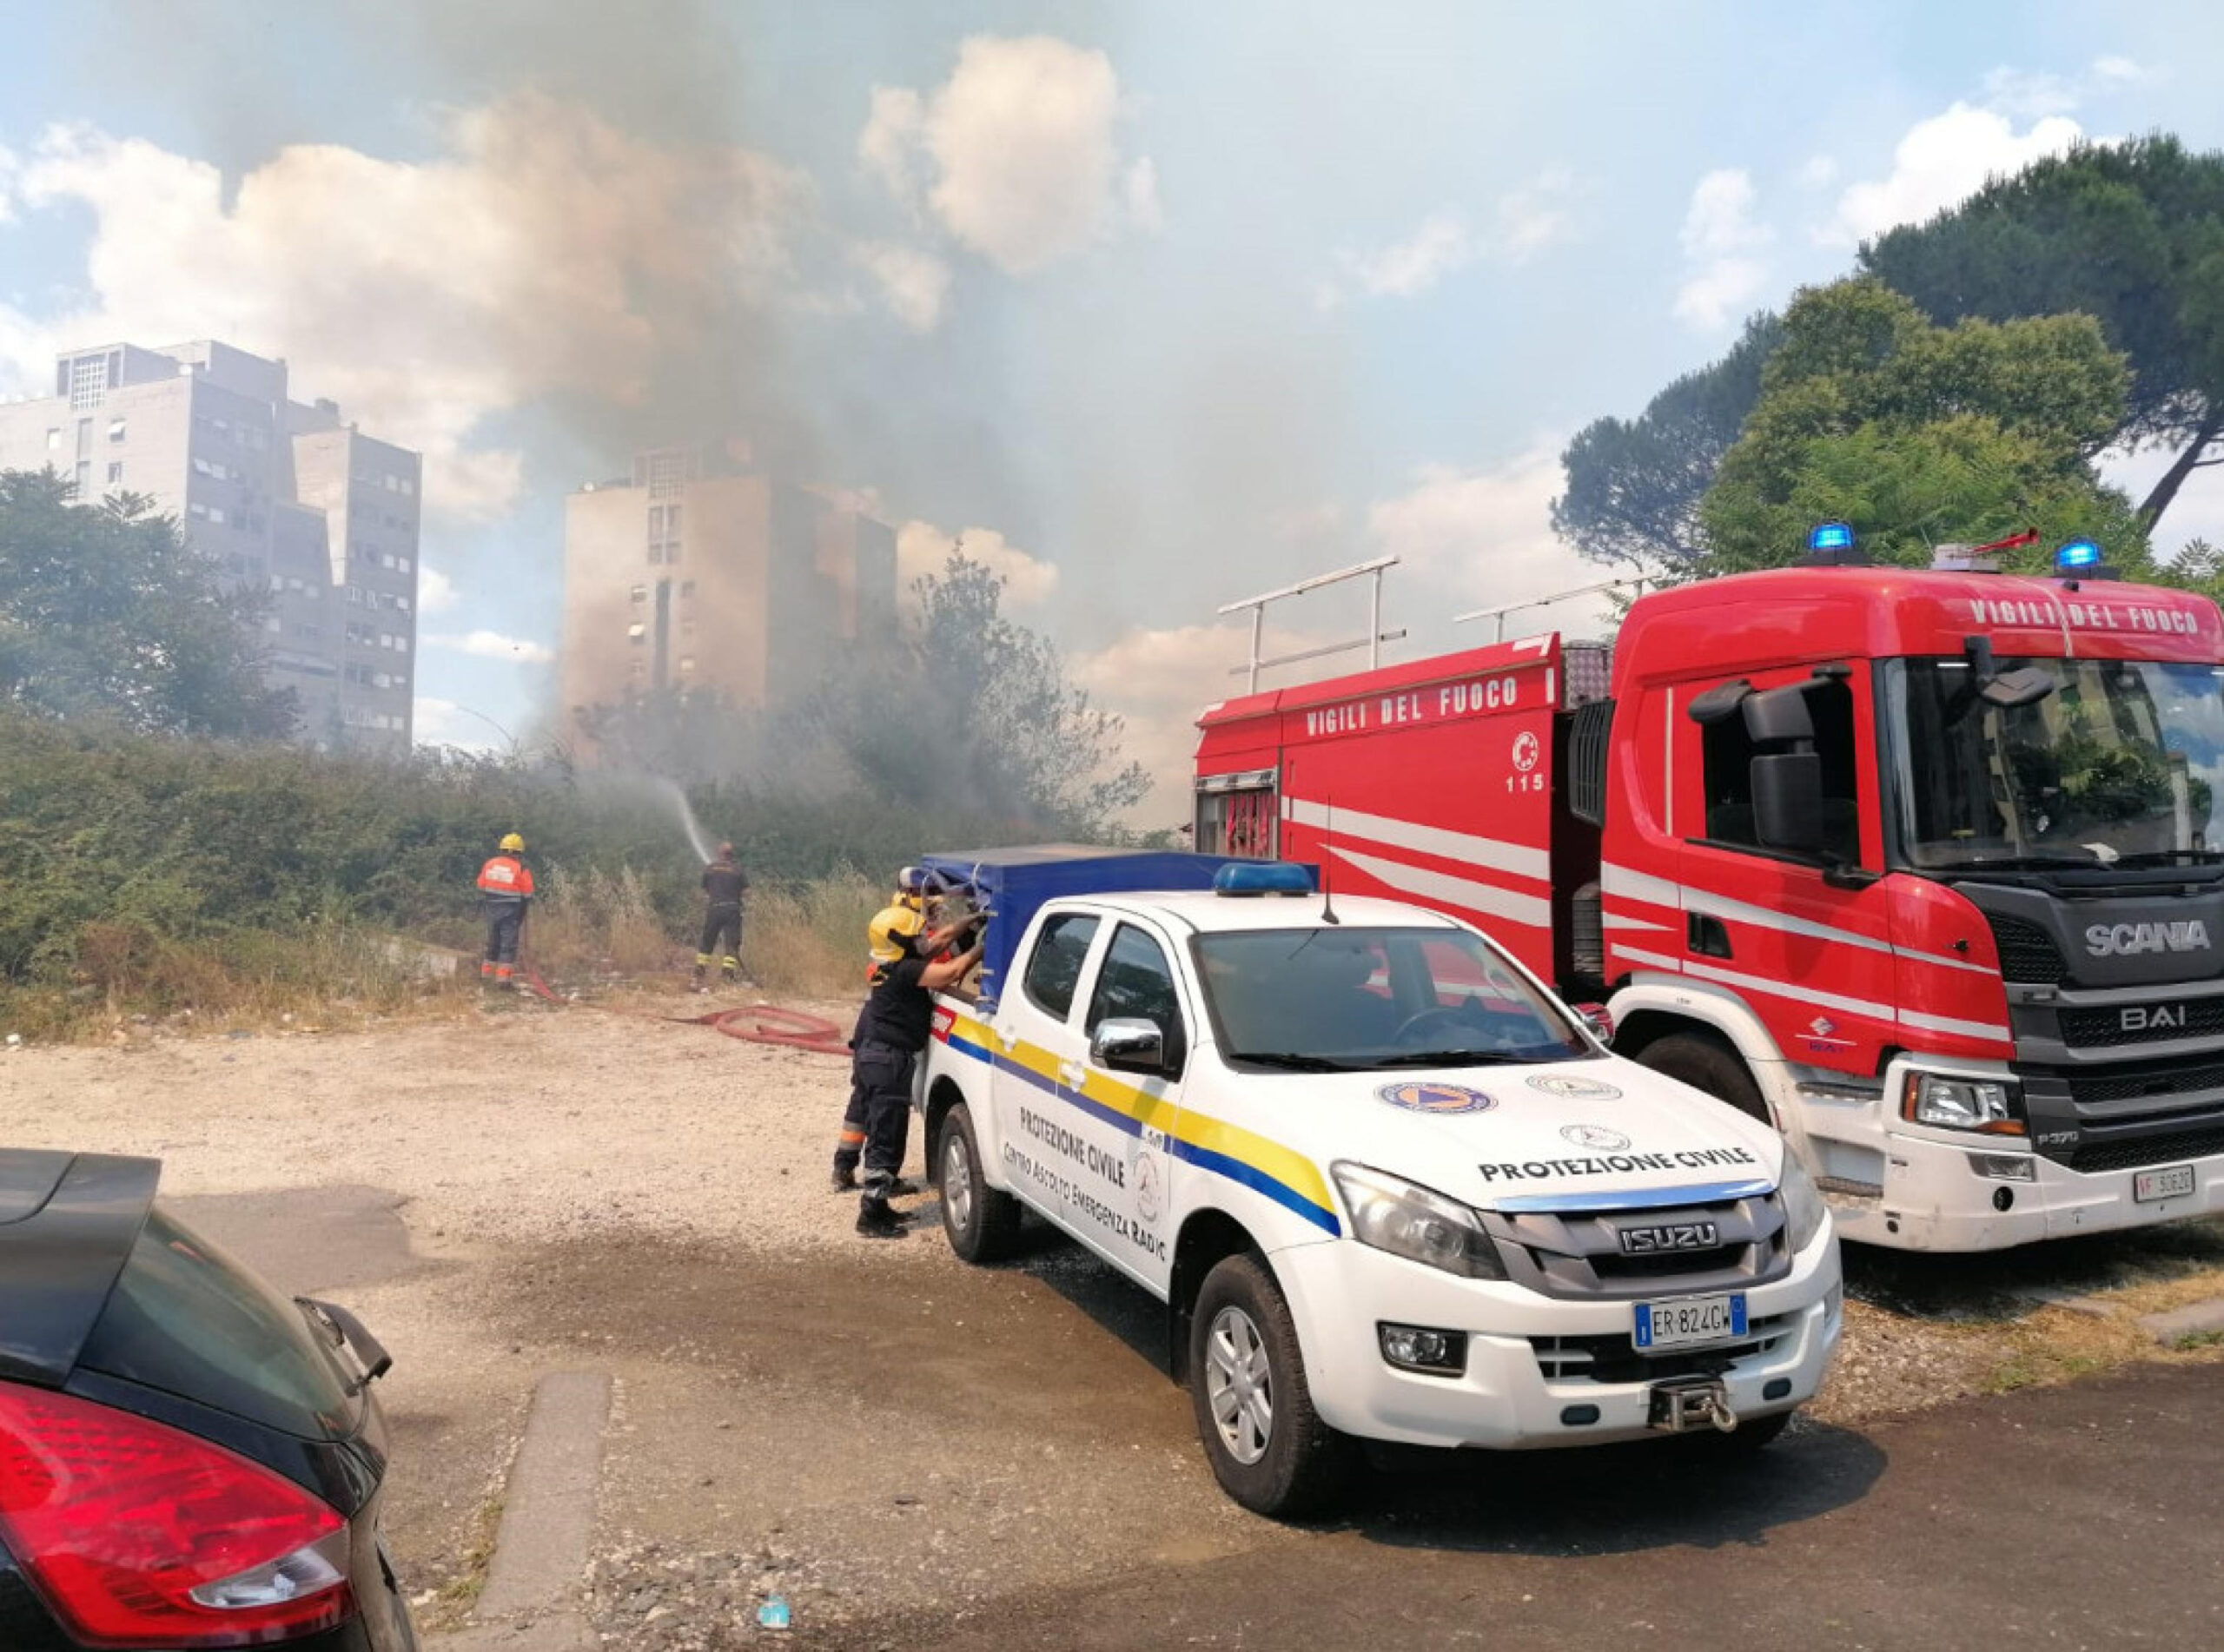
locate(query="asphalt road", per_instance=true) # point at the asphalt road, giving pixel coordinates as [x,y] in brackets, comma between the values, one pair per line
[2080,1516]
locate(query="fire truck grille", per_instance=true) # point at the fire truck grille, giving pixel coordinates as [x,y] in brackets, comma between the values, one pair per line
[1583,1254]
[1615,1358]
[2132,1083]
[2027,952]
[2149,1150]
[2102,1027]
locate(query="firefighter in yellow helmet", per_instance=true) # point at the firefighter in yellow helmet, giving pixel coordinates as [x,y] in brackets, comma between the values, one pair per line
[505,887]
[892,1028]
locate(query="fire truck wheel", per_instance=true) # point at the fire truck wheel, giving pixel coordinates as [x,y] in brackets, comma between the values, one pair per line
[1705,1064]
[981,1223]
[1269,1447]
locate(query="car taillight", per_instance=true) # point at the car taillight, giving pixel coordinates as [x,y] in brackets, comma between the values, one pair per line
[140,1535]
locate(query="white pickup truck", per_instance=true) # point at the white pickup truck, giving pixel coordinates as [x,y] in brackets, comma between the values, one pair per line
[1389,1188]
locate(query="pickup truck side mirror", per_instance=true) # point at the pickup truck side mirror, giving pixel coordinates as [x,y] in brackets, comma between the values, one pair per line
[1128,1046]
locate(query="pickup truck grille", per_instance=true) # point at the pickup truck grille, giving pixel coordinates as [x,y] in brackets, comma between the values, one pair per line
[1615,1358]
[2132,1083]
[1580,1254]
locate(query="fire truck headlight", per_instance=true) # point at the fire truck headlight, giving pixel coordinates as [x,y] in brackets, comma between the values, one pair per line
[1803,1210]
[1398,1216]
[1993,1105]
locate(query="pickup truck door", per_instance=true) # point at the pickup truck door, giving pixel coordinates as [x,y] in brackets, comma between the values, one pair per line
[1034,1040]
[1118,1168]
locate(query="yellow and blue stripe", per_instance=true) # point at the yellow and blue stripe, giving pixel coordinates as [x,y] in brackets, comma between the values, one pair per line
[1265,1166]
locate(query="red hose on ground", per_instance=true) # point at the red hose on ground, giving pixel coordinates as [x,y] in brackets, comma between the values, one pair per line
[753,1024]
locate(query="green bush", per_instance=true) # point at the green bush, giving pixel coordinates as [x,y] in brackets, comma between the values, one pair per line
[123,854]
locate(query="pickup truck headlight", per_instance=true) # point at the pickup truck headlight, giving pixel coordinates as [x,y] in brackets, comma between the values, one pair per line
[1953,1103]
[1803,1210]
[1395,1215]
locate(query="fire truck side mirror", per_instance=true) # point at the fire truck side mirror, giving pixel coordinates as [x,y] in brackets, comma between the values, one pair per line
[1779,714]
[1788,801]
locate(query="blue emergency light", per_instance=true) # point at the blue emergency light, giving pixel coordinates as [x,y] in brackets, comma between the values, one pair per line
[2076,555]
[1263,877]
[1831,546]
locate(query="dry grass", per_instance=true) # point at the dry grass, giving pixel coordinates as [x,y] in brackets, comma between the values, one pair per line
[597,924]
[126,978]
[808,939]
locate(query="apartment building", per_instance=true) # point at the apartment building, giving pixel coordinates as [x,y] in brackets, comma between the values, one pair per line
[701,572]
[287,497]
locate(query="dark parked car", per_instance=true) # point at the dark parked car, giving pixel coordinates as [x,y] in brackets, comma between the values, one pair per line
[188,1459]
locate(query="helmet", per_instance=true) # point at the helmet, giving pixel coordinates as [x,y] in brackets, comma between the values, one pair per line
[912,879]
[890,926]
[512,844]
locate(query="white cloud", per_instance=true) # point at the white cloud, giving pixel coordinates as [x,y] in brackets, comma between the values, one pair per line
[913,282]
[9,168]
[1939,164]
[922,548]
[539,250]
[1722,243]
[1015,153]
[1820,172]
[1159,680]
[443,723]
[1413,266]
[2030,93]
[888,146]
[492,645]
[1536,216]
[435,591]
[1486,532]
[1523,222]
[1139,194]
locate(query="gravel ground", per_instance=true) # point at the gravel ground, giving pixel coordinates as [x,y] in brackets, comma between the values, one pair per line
[869,1431]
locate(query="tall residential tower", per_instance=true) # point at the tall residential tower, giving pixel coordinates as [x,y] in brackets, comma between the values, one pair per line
[701,572]
[285,497]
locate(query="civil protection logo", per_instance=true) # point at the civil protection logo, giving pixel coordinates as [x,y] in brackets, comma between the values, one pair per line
[1436,1097]
[1573,1089]
[1596,1137]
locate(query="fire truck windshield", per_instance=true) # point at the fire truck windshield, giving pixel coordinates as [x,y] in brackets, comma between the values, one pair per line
[1350,999]
[2120,764]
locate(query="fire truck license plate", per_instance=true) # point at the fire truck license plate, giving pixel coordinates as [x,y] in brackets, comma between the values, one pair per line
[2149,1185]
[1689,1321]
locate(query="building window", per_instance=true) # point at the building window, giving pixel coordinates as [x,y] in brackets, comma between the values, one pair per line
[271,625]
[196,509]
[116,430]
[637,632]
[88,381]
[687,588]
[216,514]
[116,470]
[640,593]
[401,644]
[656,553]
[686,662]
[407,566]
[278,582]
[53,439]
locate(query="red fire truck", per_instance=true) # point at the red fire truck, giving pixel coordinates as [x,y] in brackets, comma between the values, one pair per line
[1922,866]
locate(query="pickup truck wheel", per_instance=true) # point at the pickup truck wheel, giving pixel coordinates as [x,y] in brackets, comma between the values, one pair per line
[981,1223]
[1705,1065]
[1269,1447]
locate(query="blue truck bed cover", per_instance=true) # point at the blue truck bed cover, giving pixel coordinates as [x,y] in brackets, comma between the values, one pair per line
[1015,882]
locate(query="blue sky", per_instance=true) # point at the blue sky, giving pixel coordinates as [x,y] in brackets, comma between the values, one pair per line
[1159,304]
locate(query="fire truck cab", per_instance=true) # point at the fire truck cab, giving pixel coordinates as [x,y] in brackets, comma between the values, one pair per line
[1920,866]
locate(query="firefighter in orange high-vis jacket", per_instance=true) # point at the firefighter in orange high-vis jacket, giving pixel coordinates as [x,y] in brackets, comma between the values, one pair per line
[505,885]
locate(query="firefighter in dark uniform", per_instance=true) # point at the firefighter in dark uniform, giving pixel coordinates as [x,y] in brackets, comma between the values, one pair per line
[724,884]
[505,887]
[892,1028]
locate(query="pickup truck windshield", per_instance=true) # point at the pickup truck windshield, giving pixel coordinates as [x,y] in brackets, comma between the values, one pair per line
[1358,999]
[2119,765]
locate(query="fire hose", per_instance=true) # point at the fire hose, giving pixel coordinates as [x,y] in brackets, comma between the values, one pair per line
[752,1023]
